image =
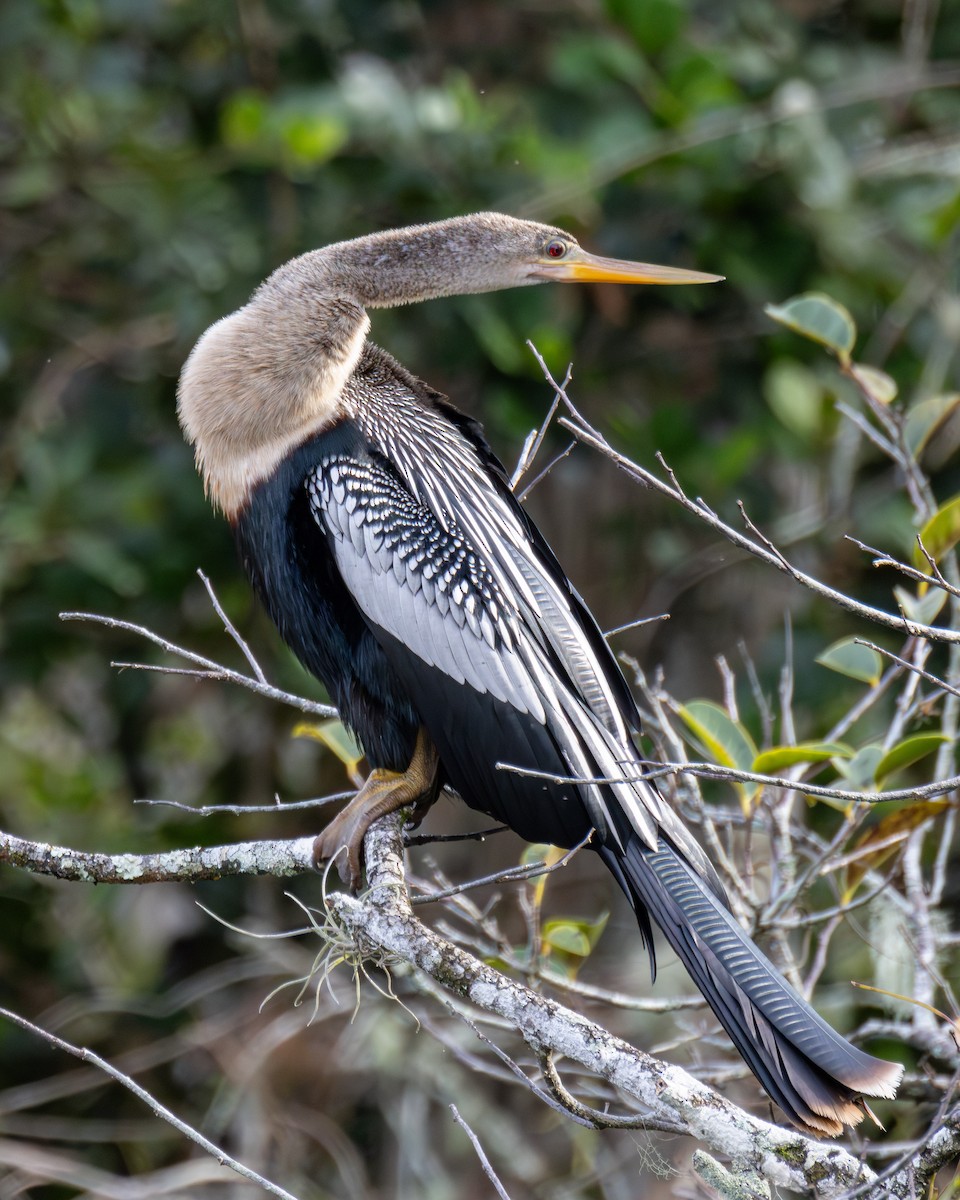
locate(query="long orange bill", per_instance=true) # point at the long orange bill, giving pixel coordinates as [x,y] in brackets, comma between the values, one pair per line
[577,266]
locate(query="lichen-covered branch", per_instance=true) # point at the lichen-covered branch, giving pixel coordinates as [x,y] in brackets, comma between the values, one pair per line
[280,858]
[383,924]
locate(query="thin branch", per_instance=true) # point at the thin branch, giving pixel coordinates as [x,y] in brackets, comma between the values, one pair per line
[729,687]
[763,548]
[609,633]
[838,910]
[554,462]
[831,865]
[164,1113]
[208,668]
[431,988]
[934,679]
[705,770]
[760,699]
[918,487]
[484,1161]
[815,968]
[510,875]
[232,631]
[586,991]
[430,839]
[881,559]
[787,897]
[869,431]
[496,946]
[863,705]
[531,446]
[239,810]
[599,1120]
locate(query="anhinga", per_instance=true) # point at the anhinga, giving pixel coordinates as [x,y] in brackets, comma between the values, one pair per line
[379,530]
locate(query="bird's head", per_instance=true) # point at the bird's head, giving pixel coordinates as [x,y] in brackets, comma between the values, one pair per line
[552,255]
[481,252]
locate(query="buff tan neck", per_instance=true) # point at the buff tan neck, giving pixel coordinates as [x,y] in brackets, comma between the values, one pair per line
[262,380]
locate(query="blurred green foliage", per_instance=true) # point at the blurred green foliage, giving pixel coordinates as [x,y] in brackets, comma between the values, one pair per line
[158,160]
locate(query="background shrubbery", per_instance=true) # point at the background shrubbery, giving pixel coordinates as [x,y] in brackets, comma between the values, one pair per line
[157,161]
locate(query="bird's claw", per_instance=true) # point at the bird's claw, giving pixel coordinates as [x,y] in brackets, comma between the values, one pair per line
[384,792]
[343,847]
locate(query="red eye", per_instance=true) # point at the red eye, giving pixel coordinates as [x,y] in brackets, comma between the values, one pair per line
[556,249]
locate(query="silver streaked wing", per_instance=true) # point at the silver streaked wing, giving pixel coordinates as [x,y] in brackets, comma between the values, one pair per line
[420,582]
[552,650]
[443,470]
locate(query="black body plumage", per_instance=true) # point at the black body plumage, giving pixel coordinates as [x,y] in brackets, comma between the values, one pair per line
[357,548]
[293,571]
[381,534]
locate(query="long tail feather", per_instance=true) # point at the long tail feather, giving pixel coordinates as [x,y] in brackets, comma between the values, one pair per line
[816,1076]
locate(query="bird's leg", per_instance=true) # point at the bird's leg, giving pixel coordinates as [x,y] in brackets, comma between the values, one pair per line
[383,792]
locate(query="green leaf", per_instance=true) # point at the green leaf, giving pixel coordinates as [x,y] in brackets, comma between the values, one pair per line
[925,418]
[573,937]
[724,741]
[495,334]
[532,856]
[876,383]
[860,769]
[907,752]
[536,852]
[893,829]
[564,935]
[922,609]
[795,395]
[100,558]
[847,657]
[337,738]
[940,534]
[654,24]
[243,119]
[820,319]
[312,137]
[777,758]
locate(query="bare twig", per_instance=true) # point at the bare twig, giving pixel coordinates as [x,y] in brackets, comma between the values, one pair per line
[142,1094]
[759,546]
[869,431]
[239,810]
[484,1161]
[705,770]
[208,668]
[599,1120]
[430,839]
[531,446]
[554,462]
[881,559]
[909,666]
[231,630]
[609,633]
[509,875]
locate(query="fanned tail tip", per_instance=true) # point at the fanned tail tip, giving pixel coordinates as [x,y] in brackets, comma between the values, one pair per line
[817,1077]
